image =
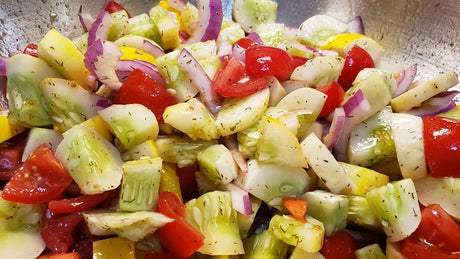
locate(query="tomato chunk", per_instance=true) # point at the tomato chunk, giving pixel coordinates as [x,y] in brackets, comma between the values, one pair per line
[56,230]
[80,203]
[41,178]
[442,146]
[437,235]
[269,61]
[246,43]
[141,88]
[356,60]
[339,245]
[113,7]
[178,237]
[31,49]
[335,96]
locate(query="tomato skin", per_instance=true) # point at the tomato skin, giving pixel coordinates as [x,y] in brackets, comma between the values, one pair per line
[356,60]
[246,43]
[56,230]
[442,146]
[269,61]
[437,235]
[41,178]
[339,245]
[299,61]
[178,237]
[80,203]
[141,88]
[113,7]
[335,95]
[31,49]
[231,80]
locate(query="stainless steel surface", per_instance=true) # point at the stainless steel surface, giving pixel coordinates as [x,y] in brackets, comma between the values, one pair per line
[412,31]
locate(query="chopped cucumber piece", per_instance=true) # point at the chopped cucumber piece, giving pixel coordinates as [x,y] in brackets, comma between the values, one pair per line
[132,124]
[147,149]
[167,27]
[326,166]
[92,161]
[360,213]
[319,71]
[212,214]
[268,182]
[396,206]
[130,225]
[27,106]
[271,34]
[181,150]
[317,29]
[408,139]
[372,251]
[64,56]
[240,113]
[81,42]
[454,114]
[250,13]
[193,119]
[141,182]
[278,145]
[248,139]
[371,141]
[38,136]
[444,191]
[265,245]
[306,235]
[331,209]
[69,104]
[364,178]
[142,25]
[216,162]
[423,91]
[19,228]
[120,25]
[230,34]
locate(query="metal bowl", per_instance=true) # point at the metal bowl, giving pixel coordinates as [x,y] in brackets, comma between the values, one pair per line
[425,32]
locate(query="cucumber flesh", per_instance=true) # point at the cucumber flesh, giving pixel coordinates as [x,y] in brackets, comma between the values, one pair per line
[250,13]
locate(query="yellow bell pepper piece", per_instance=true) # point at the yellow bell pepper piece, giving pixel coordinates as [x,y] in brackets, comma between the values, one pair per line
[169,180]
[116,247]
[8,130]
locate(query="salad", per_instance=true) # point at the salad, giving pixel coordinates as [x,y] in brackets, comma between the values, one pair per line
[180,133]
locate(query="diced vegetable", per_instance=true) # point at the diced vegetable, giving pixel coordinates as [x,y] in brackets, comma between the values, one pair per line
[216,162]
[39,136]
[147,149]
[265,245]
[250,13]
[308,236]
[59,52]
[364,178]
[130,225]
[330,209]
[360,213]
[93,162]
[371,251]
[113,247]
[181,150]
[132,124]
[141,182]
[25,100]
[317,29]
[263,181]
[212,214]
[167,27]
[396,206]
[319,71]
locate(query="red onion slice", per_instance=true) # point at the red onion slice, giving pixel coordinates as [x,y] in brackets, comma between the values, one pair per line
[152,49]
[125,67]
[241,201]
[231,143]
[255,37]
[101,60]
[100,28]
[439,103]
[177,4]
[356,25]
[200,80]
[2,67]
[357,109]
[335,131]
[86,19]
[210,22]
[404,80]
[239,53]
